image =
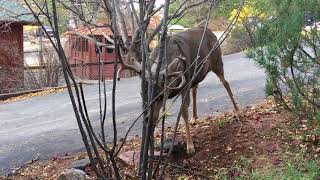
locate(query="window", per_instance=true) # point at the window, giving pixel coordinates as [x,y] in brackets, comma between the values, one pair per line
[76,43]
[85,46]
[80,44]
[73,43]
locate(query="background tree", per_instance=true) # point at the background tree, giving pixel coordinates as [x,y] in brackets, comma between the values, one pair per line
[192,16]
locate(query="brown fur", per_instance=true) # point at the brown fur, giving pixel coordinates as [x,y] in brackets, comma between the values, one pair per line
[186,43]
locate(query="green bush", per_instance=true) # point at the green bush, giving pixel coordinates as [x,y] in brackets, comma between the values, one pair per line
[269,87]
[290,55]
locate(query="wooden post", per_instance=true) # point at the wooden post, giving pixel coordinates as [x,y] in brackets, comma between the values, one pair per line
[41,62]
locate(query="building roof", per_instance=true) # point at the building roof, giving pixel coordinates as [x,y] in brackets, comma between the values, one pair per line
[104,29]
[13,11]
[87,31]
[84,30]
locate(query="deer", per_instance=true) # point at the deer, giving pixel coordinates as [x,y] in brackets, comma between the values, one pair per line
[182,50]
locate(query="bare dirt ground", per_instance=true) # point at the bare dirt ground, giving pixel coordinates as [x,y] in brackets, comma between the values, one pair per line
[266,137]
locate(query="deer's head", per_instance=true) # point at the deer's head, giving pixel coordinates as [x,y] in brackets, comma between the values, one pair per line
[176,80]
[133,58]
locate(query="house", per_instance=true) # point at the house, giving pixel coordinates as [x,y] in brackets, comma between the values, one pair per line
[82,53]
[13,16]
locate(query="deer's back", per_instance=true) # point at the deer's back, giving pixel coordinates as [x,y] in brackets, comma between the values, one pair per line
[189,42]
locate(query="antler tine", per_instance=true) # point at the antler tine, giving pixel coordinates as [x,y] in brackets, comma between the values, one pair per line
[170,66]
[177,73]
[181,85]
[174,74]
[127,66]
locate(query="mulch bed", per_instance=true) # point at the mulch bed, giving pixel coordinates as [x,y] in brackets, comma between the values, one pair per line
[221,141]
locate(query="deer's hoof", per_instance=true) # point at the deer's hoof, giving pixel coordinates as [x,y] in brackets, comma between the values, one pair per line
[193,120]
[190,151]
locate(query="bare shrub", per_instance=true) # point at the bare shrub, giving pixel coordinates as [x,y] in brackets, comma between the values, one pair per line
[11,67]
[47,74]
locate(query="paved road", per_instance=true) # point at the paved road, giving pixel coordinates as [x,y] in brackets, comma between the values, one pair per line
[46,125]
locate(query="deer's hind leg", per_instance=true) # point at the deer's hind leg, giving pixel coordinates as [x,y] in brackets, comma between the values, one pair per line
[226,85]
[194,104]
[184,108]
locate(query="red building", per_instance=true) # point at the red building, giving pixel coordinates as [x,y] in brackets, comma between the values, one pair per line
[82,55]
[12,18]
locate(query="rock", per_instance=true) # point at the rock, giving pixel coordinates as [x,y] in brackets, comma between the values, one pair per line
[130,158]
[73,174]
[80,164]
[177,146]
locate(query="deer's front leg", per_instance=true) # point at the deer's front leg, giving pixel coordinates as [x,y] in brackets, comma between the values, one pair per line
[194,104]
[190,146]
